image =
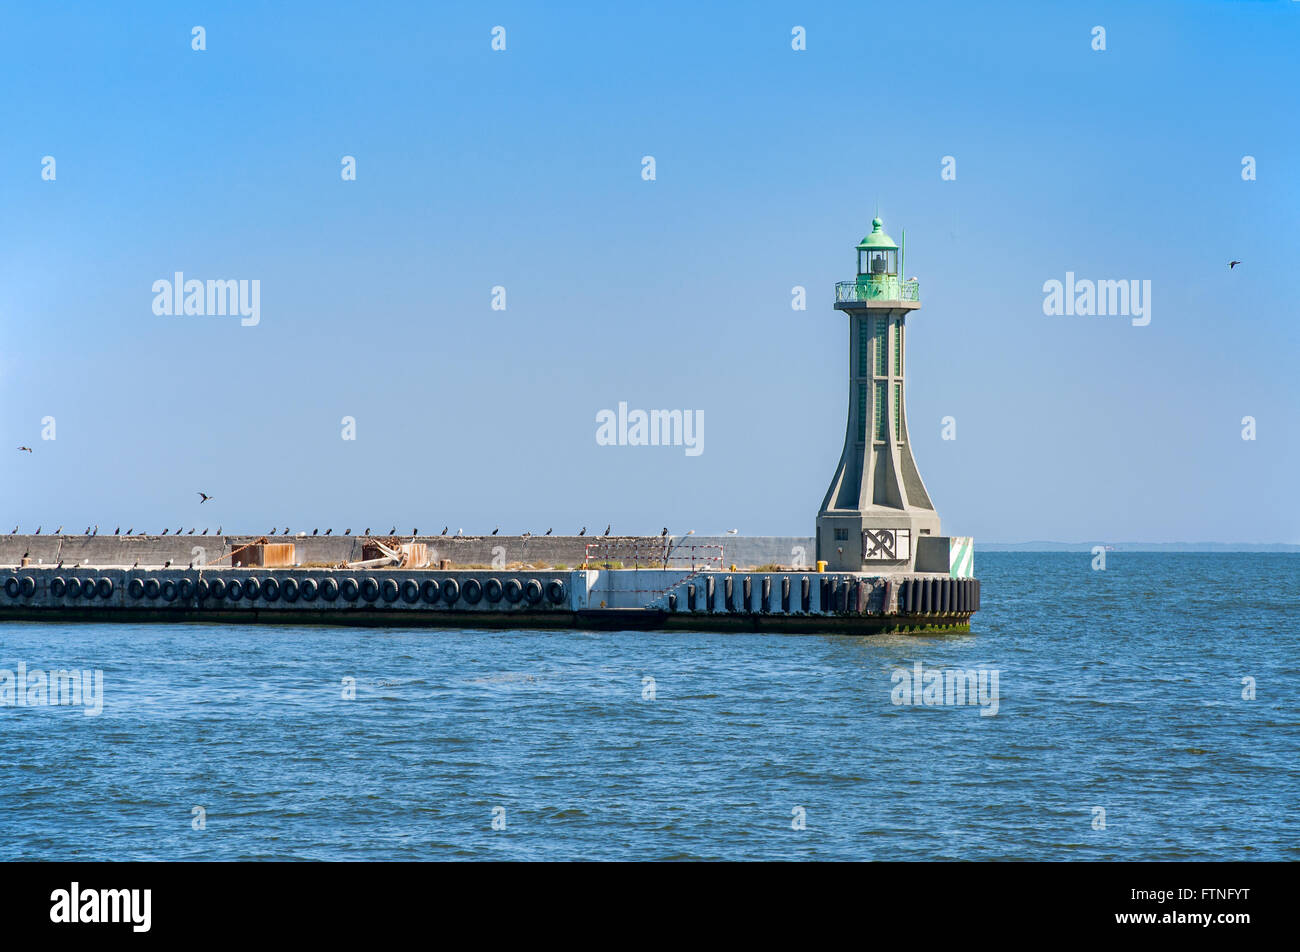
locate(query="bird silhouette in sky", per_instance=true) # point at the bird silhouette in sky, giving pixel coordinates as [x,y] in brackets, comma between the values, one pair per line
[1233,264]
[25,449]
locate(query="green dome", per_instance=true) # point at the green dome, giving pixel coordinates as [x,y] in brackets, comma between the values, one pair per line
[877,238]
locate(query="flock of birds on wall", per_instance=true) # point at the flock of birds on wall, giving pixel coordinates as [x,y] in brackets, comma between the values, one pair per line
[94,530]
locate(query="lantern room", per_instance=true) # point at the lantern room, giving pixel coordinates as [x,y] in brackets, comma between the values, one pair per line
[877,253]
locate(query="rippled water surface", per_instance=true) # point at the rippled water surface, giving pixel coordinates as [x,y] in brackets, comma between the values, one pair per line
[1119,689]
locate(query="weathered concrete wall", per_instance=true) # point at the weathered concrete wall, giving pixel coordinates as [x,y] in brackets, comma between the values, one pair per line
[570,551]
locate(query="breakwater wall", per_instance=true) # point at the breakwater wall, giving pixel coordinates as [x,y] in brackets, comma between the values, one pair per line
[567,551]
[584,599]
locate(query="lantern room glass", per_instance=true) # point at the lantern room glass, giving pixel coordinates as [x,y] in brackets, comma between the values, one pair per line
[878,261]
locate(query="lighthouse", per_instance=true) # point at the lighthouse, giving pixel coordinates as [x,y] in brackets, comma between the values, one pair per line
[877,513]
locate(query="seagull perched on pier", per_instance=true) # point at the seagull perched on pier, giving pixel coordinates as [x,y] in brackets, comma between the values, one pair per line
[59,531]
[218,530]
[1231,265]
[191,532]
[38,530]
[130,530]
[205,498]
[117,531]
[444,529]
[393,530]
[87,532]
[286,531]
[328,531]
[415,532]
[548,531]
[347,531]
[608,527]
[584,531]
[25,449]
[367,532]
[732,531]
[15,532]
[494,531]
[164,532]
[167,564]
[460,532]
[272,532]
[664,533]
[96,532]
[314,531]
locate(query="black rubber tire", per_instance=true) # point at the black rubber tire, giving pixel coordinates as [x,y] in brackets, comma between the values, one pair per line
[430,591]
[29,586]
[329,589]
[370,588]
[185,589]
[271,590]
[135,588]
[555,590]
[391,590]
[58,586]
[253,589]
[514,591]
[202,589]
[169,590]
[492,590]
[410,591]
[289,589]
[234,590]
[89,587]
[218,588]
[309,588]
[450,591]
[533,591]
[472,591]
[73,587]
[350,589]
[152,588]
[12,586]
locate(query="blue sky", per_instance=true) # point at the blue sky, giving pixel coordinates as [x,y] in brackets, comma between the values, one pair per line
[522,169]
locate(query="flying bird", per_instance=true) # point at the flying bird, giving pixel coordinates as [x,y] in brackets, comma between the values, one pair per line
[25,449]
[1231,265]
[205,498]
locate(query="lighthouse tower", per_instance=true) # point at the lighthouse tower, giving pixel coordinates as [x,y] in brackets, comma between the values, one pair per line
[877,510]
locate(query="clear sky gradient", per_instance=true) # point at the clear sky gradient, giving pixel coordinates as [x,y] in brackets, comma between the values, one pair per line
[522,169]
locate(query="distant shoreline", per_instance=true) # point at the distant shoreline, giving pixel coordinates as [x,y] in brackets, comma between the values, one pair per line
[1138,546]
